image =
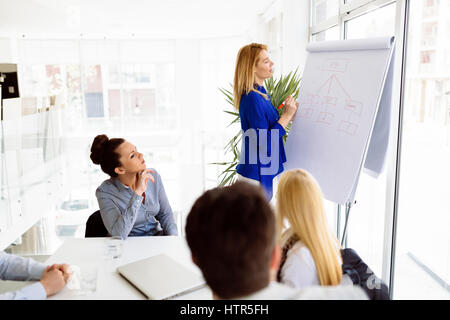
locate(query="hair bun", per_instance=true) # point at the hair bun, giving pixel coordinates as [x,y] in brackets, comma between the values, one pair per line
[98,148]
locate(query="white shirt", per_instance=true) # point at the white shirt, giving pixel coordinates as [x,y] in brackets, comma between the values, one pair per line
[278,291]
[299,270]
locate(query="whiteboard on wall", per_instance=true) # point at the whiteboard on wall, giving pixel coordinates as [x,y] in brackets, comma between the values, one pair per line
[341,90]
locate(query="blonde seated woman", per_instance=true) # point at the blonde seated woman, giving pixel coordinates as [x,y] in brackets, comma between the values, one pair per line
[310,251]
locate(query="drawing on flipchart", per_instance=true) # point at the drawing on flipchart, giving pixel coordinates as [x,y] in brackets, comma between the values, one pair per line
[332,99]
[335,65]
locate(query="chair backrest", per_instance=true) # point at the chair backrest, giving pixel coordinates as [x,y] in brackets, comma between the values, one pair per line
[363,276]
[95,226]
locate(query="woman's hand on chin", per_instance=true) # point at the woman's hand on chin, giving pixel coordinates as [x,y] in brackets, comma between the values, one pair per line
[142,181]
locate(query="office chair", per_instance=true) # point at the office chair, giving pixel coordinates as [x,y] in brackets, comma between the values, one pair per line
[95,227]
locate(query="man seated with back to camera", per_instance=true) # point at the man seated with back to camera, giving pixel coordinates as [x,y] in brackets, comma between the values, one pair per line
[231,232]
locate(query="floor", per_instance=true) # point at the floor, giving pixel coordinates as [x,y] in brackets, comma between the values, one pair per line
[413,283]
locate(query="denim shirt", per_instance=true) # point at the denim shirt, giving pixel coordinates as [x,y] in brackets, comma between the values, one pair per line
[18,268]
[124,214]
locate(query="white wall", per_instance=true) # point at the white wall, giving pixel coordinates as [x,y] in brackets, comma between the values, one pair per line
[188,95]
[295,33]
[8,50]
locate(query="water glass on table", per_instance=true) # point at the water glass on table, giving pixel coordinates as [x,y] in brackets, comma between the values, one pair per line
[114,246]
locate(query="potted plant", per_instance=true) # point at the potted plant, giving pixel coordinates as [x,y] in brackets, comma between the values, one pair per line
[278,90]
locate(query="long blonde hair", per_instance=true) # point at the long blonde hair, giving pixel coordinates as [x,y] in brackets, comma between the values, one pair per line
[244,74]
[300,202]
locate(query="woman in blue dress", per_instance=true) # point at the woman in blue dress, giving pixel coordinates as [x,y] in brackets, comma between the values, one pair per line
[262,153]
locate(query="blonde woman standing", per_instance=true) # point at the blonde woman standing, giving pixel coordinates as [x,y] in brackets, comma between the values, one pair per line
[311,253]
[261,158]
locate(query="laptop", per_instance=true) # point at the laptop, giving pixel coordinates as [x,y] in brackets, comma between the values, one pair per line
[160,277]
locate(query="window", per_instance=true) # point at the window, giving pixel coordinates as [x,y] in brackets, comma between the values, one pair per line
[377,23]
[329,34]
[323,10]
[422,261]
[430,8]
[427,61]
[425,57]
[93,91]
[133,98]
[429,34]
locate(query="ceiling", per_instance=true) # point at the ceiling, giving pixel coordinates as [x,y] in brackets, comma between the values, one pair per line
[164,19]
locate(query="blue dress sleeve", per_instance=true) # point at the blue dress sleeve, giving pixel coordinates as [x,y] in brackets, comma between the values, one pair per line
[256,116]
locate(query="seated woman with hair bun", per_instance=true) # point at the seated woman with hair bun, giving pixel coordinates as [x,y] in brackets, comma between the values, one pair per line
[129,204]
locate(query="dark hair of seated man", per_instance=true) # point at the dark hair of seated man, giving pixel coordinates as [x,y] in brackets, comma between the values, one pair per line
[231,233]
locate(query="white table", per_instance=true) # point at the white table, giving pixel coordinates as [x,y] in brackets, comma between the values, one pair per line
[110,285]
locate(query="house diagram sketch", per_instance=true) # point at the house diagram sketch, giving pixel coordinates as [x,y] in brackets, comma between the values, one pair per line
[331,104]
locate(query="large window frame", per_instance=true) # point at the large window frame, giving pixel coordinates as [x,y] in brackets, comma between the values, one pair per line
[349,10]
